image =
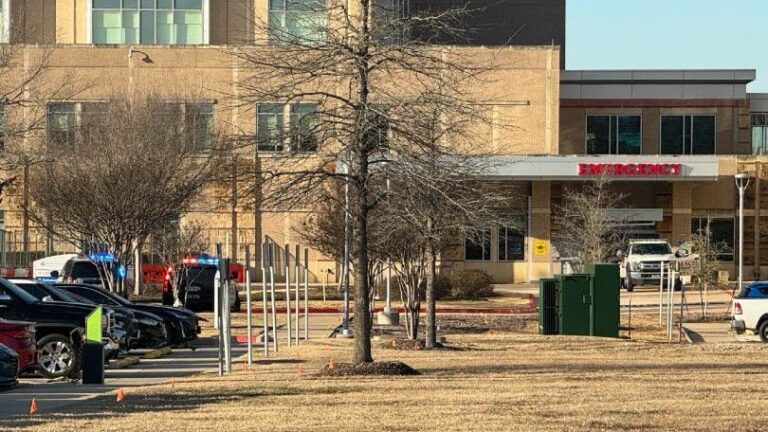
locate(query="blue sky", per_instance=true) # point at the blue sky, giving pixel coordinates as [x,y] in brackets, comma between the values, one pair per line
[659,34]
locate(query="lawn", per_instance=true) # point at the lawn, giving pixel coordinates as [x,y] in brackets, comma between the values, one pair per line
[491,381]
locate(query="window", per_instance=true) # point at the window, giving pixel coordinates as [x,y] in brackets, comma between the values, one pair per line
[167,22]
[721,232]
[303,127]
[511,243]
[478,249]
[297,21]
[390,19]
[760,133]
[61,123]
[688,134]
[273,120]
[198,122]
[269,127]
[614,134]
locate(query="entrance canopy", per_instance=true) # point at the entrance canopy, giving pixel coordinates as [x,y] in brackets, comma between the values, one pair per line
[615,167]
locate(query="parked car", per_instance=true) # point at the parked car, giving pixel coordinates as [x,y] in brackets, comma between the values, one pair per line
[145,330]
[642,263]
[79,270]
[122,319]
[750,311]
[181,324]
[59,328]
[20,337]
[9,367]
[194,279]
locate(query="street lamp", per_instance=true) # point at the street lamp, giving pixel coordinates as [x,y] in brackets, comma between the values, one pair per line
[742,181]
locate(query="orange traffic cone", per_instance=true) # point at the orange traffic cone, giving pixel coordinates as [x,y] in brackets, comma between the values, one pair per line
[330,363]
[394,343]
[33,407]
[120,395]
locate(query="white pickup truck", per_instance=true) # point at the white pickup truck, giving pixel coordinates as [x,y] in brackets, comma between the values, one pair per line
[642,263]
[750,310]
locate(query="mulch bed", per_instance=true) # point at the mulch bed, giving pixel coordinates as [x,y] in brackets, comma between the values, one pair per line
[389,368]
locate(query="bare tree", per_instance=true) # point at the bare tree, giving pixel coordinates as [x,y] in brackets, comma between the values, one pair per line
[703,252]
[585,225]
[354,76]
[133,165]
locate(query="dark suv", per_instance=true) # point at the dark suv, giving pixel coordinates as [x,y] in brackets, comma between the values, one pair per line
[194,283]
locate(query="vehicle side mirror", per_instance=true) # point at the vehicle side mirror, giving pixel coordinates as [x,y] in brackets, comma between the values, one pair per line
[47,299]
[55,274]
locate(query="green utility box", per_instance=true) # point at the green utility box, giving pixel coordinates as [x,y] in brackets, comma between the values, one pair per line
[575,304]
[581,304]
[549,309]
[606,284]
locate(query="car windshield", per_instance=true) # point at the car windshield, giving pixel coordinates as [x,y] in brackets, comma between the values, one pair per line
[651,249]
[121,301]
[20,293]
[199,274]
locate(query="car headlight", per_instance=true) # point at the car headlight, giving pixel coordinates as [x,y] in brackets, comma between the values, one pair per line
[635,266]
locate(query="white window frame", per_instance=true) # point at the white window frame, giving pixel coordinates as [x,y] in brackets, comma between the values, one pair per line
[5,35]
[616,132]
[89,22]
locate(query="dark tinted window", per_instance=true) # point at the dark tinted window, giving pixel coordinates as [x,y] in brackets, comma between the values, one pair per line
[199,275]
[651,249]
[92,295]
[34,290]
[84,269]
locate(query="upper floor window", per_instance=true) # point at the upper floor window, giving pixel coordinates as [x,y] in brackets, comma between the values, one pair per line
[390,19]
[688,134]
[162,22]
[198,122]
[61,122]
[297,21]
[614,134]
[273,120]
[760,133]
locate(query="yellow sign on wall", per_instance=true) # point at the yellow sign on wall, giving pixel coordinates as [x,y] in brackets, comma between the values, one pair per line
[540,247]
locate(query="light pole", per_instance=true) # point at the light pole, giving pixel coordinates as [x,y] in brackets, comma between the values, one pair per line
[742,181]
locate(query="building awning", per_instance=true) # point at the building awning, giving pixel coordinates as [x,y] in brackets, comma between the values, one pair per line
[615,167]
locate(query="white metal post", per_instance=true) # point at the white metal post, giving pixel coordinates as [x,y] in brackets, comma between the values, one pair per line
[297,297]
[306,294]
[287,256]
[661,290]
[217,317]
[248,302]
[265,325]
[742,182]
[272,291]
[389,284]
[670,301]
[345,323]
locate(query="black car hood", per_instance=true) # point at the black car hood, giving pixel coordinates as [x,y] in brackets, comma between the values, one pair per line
[165,311]
[142,314]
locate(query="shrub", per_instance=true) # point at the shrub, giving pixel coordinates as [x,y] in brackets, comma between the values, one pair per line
[470,285]
[442,287]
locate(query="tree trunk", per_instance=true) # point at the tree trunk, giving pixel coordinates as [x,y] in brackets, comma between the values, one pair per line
[413,319]
[429,255]
[362,322]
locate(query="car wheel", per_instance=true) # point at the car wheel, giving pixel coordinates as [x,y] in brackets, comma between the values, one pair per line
[762,331]
[629,285]
[57,357]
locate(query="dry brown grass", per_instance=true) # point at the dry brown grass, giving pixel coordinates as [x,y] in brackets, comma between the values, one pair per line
[496,381]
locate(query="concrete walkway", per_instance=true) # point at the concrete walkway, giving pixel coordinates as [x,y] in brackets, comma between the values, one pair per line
[719,332]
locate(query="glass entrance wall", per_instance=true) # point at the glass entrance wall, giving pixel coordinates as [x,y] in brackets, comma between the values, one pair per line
[149,22]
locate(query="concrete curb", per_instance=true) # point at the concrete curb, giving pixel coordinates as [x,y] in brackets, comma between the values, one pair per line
[157,353]
[123,363]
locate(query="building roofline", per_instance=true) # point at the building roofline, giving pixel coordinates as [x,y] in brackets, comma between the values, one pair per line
[658,76]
